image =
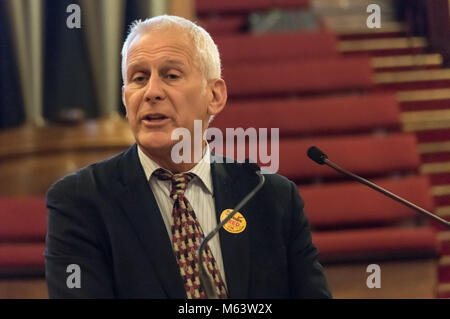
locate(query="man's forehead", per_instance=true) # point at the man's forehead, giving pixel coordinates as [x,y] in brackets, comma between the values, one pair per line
[155,39]
[172,47]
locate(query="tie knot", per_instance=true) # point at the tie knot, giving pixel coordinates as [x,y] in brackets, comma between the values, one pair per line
[179,181]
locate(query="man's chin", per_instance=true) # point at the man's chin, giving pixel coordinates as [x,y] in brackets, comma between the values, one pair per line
[155,146]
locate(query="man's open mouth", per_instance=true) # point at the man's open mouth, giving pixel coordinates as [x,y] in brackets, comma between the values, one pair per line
[154,117]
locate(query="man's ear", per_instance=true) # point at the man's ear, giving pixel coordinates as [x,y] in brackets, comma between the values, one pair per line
[218,97]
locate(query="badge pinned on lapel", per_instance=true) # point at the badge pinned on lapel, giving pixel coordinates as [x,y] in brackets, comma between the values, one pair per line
[236,224]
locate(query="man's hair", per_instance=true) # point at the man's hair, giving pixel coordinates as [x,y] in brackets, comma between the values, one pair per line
[207,57]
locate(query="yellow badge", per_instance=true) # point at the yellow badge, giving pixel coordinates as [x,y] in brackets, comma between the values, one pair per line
[236,224]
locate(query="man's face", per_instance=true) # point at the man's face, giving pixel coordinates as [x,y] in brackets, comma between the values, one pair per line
[164,89]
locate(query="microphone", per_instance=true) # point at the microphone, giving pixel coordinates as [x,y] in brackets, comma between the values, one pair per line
[205,278]
[320,158]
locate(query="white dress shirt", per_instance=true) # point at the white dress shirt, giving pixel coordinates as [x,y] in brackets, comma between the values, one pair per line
[199,193]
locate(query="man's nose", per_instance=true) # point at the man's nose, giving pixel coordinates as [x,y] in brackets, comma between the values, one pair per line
[154,91]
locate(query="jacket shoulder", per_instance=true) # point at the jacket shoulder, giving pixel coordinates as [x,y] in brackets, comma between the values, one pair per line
[87,177]
[278,184]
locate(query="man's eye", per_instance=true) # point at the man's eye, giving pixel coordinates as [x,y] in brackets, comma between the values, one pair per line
[173,76]
[139,79]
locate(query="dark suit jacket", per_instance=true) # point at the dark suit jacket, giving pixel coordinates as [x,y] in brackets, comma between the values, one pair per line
[105,219]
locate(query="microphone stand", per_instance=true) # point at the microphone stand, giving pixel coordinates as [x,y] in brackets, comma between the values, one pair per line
[319,157]
[205,278]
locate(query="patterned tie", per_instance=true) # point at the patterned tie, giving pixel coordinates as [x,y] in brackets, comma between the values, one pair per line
[187,236]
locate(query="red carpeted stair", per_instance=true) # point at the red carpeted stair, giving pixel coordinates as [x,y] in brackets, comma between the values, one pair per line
[343,99]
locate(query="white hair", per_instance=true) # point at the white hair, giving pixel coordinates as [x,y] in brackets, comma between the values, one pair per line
[206,52]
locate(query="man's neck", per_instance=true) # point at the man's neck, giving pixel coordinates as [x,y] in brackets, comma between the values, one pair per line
[165,161]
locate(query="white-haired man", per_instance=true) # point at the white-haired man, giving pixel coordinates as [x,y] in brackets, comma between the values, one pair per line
[131,224]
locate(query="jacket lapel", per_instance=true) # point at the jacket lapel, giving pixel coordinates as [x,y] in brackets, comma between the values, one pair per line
[138,202]
[235,247]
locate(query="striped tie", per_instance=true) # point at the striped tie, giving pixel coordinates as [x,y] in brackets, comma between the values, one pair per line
[187,236]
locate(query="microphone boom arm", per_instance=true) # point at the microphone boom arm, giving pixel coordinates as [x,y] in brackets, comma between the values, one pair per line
[204,276]
[385,192]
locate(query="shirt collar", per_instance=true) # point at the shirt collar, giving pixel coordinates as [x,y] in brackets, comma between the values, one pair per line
[202,169]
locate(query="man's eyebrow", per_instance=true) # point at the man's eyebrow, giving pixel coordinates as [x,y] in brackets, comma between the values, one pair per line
[135,65]
[174,62]
[138,65]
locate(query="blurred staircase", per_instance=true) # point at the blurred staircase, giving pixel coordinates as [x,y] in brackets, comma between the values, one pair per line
[382,91]
[401,65]
[405,64]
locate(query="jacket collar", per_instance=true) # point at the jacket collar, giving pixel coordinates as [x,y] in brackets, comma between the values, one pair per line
[229,190]
[136,200]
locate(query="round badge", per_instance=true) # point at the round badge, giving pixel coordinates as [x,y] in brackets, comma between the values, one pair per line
[236,224]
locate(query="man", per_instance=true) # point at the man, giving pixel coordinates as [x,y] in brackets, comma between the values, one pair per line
[119,225]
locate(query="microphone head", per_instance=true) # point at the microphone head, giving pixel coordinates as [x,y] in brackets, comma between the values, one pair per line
[317,155]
